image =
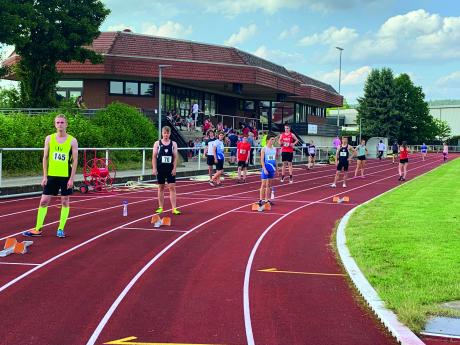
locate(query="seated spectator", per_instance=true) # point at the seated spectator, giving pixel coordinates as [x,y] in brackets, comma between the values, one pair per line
[191,145]
[207,126]
[178,121]
[220,127]
[190,123]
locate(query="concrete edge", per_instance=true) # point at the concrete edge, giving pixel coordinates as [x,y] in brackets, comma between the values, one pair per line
[389,319]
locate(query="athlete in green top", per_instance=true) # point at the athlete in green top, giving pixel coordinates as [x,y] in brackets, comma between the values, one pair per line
[61,150]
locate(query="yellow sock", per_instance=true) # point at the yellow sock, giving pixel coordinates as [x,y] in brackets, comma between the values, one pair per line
[64,215]
[41,214]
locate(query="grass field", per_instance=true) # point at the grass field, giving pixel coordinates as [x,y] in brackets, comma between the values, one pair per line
[407,243]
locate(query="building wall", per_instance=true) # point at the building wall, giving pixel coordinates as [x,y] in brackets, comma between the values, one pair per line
[96,95]
[449,114]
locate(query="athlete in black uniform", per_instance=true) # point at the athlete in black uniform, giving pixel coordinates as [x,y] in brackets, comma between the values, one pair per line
[342,159]
[164,162]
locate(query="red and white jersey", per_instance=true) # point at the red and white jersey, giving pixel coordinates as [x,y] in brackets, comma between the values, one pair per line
[286,142]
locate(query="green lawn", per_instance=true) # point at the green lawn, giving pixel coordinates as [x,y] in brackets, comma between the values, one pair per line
[407,243]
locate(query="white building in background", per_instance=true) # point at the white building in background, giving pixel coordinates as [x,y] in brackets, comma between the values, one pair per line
[449,113]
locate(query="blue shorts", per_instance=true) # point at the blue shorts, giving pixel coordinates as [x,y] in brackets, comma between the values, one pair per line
[271,172]
[424,151]
[232,152]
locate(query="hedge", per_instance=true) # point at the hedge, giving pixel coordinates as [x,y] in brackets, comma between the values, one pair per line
[118,125]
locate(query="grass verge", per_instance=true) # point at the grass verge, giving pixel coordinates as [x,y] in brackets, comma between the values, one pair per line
[407,243]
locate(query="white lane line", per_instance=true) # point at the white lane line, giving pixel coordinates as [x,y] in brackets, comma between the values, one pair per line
[264,212]
[18,263]
[247,273]
[158,230]
[125,291]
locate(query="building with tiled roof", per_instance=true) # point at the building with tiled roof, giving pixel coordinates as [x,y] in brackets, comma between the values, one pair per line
[222,80]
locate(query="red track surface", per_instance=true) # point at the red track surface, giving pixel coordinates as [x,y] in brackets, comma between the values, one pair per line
[192,287]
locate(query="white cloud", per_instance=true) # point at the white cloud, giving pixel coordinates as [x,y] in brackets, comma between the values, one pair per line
[450,81]
[235,7]
[168,29]
[331,36]
[243,34]
[352,78]
[416,35]
[288,60]
[292,31]
[120,27]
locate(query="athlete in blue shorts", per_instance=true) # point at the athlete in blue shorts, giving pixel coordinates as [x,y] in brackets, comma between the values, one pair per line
[424,150]
[269,169]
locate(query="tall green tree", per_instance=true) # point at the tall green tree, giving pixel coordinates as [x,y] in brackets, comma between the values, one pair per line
[443,130]
[377,108]
[417,125]
[45,32]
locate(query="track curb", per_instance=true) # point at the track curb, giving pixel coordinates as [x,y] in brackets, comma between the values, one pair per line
[389,319]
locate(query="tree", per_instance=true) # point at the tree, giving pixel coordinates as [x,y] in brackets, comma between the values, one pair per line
[45,32]
[377,109]
[443,130]
[417,125]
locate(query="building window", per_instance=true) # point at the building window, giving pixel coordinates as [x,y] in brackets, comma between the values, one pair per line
[116,87]
[69,89]
[131,88]
[147,89]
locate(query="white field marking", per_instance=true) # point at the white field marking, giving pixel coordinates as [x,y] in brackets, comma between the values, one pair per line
[18,263]
[262,212]
[213,198]
[247,273]
[156,229]
[52,259]
[188,193]
[128,287]
[277,200]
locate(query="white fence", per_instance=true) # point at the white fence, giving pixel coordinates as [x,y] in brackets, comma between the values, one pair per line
[196,159]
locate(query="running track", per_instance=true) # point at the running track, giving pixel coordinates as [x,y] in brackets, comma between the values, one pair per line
[208,279]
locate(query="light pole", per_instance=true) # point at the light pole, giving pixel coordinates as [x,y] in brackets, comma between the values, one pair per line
[340,77]
[160,68]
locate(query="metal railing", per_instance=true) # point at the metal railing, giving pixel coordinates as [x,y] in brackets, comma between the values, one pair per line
[196,158]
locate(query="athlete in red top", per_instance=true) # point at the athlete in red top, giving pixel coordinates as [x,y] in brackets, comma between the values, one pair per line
[287,141]
[403,161]
[242,154]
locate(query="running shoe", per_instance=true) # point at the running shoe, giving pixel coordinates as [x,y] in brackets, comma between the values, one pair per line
[211,183]
[270,202]
[159,210]
[403,179]
[282,178]
[176,212]
[290,180]
[32,233]
[261,203]
[344,185]
[60,233]
[400,178]
[244,180]
[333,185]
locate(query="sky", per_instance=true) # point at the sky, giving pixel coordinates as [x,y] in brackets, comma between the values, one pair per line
[420,38]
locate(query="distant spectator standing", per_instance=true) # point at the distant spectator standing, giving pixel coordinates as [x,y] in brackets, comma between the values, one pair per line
[233,139]
[190,123]
[195,111]
[80,103]
[252,143]
[381,148]
[336,142]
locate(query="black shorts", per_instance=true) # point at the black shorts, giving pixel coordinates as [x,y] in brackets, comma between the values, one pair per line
[403,161]
[165,175]
[287,156]
[361,158]
[242,164]
[395,153]
[210,160]
[220,164]
[312,155]
[56,184]
[343,165]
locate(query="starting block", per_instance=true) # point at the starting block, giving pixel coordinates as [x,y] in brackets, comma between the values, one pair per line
[339,200]
[264,207]
[13,246]
[157,221]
